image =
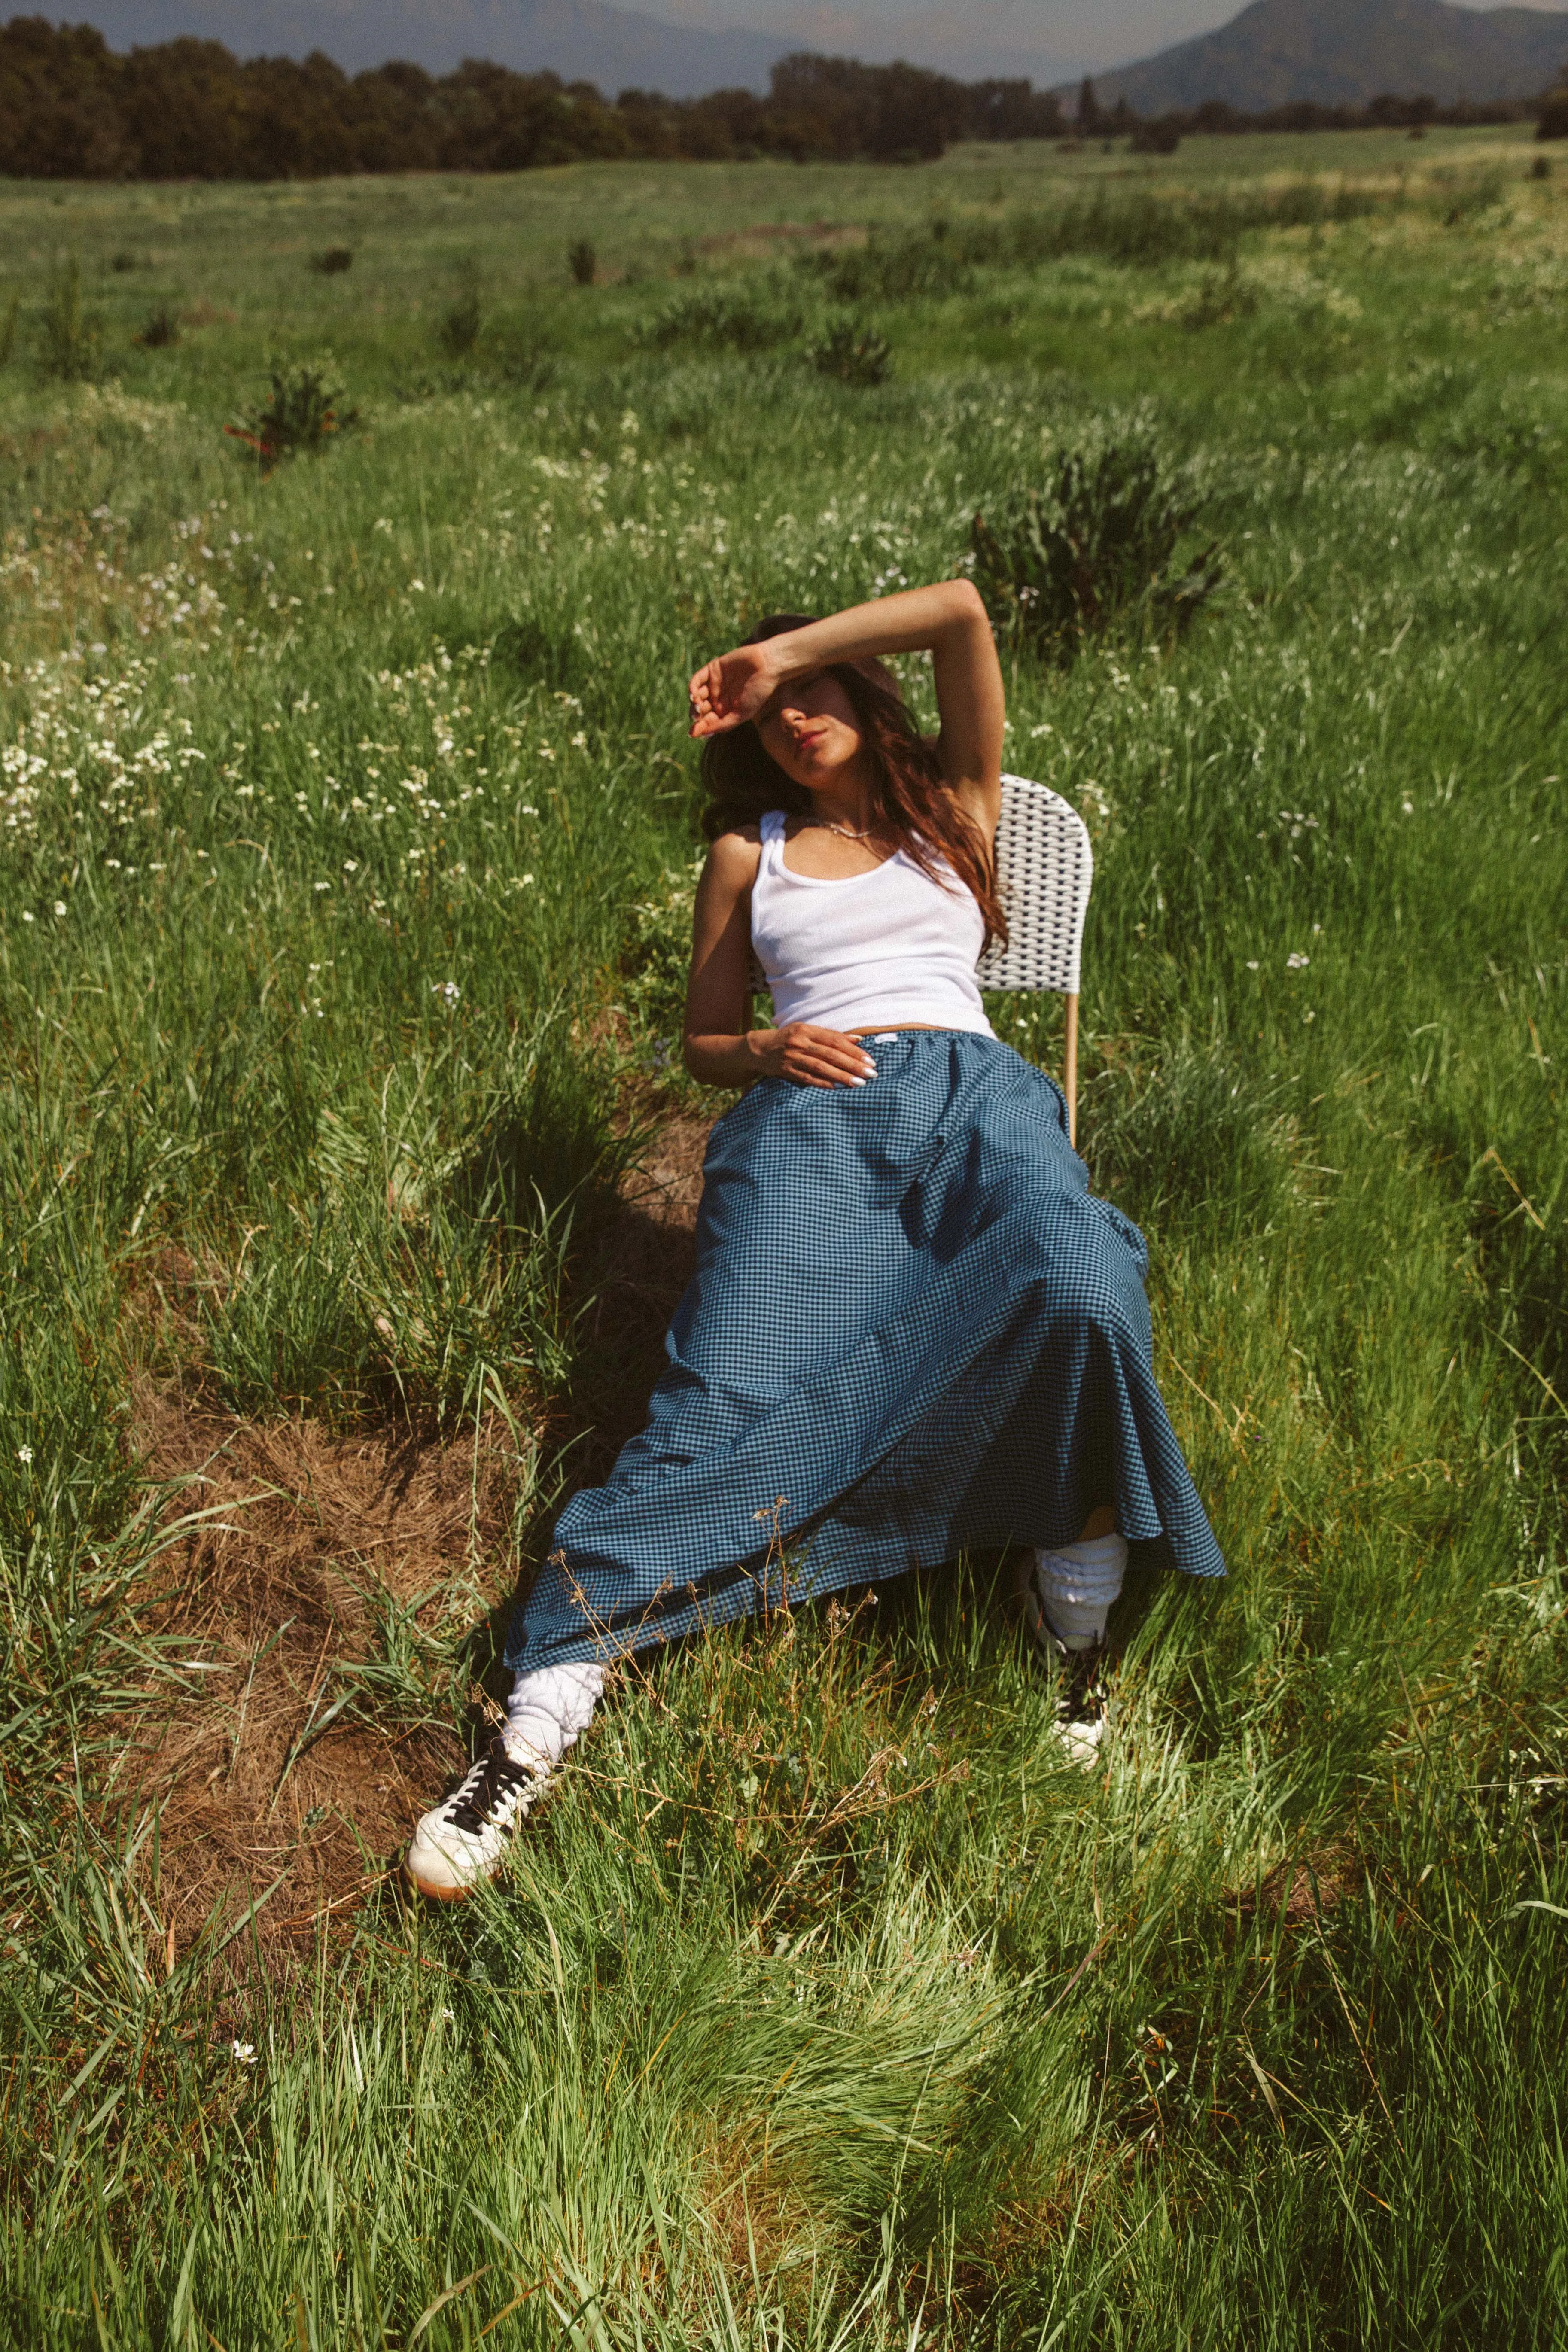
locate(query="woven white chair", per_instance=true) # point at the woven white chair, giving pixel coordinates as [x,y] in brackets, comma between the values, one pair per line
[1045,869]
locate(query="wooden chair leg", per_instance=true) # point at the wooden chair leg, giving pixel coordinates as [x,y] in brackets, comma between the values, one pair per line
[1070,1070]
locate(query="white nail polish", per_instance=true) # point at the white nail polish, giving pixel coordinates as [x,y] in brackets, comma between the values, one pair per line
[857,1082]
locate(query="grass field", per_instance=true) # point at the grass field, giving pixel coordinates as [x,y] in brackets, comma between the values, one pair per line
[346,836]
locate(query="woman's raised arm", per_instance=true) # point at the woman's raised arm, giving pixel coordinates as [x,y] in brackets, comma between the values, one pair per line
[947,620]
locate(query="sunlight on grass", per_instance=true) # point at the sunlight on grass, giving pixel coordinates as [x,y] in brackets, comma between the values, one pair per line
[346,840]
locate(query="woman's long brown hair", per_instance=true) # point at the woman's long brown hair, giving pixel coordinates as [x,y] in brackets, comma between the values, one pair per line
[914,803]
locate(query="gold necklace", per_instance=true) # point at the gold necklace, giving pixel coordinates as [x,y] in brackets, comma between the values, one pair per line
[844,831]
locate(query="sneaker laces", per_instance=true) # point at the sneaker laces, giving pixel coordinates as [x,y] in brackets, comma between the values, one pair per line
[1081,1694]
[490,1791]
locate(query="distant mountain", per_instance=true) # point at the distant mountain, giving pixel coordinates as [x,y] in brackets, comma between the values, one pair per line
[582,40]
[1344,52]
[972,42]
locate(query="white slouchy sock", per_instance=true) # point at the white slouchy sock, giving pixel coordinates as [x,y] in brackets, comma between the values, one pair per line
[546,1711]
[1077,1585]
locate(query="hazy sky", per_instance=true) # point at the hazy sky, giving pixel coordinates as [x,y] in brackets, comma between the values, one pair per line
[1065,35]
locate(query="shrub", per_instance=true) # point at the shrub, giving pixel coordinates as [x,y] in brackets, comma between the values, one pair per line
[1554,119]
[300,411]
[1468,203]
[70,338]
[121,262]
[1541,168]
[747,318]
[852,351]
[1160,138]
[894,268]
[332,261]
[159,329]
[582,261]
[1098,541]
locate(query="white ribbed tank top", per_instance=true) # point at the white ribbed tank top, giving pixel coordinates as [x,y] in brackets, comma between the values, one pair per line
[870,951]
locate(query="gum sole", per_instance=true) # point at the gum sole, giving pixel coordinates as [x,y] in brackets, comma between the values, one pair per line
[436,1893]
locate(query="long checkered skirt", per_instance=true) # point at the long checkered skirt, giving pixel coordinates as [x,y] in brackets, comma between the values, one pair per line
[912,1331]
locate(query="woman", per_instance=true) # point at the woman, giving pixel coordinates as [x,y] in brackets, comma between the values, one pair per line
[911,1329]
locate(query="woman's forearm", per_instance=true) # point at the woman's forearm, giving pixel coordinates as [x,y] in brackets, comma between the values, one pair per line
[800,1051]
[917,620]
[721,1061]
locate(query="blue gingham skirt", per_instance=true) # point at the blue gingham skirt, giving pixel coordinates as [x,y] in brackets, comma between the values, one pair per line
[912,1331]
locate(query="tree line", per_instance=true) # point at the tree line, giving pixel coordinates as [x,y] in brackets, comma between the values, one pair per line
[71,108]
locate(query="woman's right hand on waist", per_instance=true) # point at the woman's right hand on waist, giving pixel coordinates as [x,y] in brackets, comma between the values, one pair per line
[809,1056]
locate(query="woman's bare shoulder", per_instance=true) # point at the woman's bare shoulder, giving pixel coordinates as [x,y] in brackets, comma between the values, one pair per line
[734,855]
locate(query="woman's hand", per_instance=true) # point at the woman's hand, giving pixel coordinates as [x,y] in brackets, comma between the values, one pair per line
[808,1057]
[946,620]
[725,693]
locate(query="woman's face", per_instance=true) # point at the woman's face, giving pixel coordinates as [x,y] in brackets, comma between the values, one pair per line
[810,729]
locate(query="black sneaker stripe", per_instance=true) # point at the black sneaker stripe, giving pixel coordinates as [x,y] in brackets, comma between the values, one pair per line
[495,1776]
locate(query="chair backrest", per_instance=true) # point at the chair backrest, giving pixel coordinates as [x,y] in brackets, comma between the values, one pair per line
[1045,868]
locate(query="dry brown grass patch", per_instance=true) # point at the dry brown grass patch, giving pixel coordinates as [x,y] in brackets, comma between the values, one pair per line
[280,1755]
[1301,1890]
[288,1747]
[764,2218]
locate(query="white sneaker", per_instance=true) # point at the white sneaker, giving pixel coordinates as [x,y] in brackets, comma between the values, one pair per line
[463,1841]
[1076,1662]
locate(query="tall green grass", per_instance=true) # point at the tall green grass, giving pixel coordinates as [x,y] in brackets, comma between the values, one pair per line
[346,836]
